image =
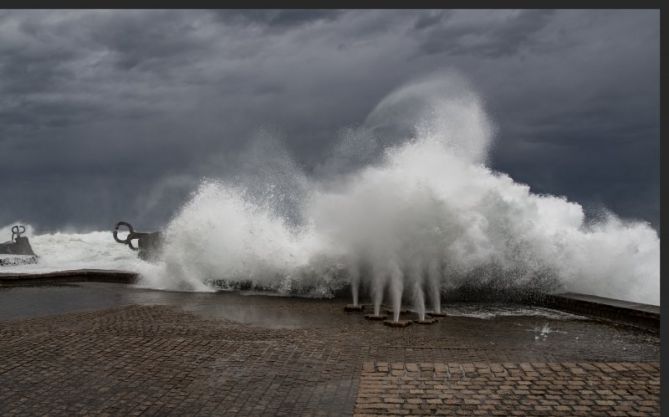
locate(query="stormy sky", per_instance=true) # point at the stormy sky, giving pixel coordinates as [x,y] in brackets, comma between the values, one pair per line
[117,115]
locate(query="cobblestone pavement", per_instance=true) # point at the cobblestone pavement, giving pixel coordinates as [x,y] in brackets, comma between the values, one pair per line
[167,360]
[509,389]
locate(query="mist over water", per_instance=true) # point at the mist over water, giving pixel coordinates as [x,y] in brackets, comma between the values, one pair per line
[404,211]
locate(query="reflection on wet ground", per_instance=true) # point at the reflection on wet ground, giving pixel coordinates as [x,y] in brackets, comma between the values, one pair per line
[250,308]
[246,308]
[510,327]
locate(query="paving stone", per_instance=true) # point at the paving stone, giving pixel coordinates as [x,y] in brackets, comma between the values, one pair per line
[161,360]
[415,389]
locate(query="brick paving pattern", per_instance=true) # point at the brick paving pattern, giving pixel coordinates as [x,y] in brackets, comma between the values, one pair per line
[508,389]
[164,360]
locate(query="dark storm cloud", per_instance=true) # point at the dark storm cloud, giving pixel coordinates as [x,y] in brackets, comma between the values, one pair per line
[276,18]
[117,114]
[493,35]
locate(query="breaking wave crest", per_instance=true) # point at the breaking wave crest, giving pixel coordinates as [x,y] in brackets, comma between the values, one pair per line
[425,216]
[407,209]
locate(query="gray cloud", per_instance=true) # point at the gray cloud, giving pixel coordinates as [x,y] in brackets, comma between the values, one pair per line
[117,114]
[276,19]
[473,33]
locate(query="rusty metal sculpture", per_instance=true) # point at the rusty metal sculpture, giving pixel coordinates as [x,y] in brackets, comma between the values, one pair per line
[149,244]
[18,249]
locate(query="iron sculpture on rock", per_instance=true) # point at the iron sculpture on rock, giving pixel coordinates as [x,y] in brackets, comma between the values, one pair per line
[149,244]
[17,251]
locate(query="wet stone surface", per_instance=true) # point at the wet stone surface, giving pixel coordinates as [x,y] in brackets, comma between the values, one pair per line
[155,353]
[508,389]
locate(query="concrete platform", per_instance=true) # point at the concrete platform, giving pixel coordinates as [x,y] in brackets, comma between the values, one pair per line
[159,353]
[426,321]
[376,317]
[398,323]
[640,315]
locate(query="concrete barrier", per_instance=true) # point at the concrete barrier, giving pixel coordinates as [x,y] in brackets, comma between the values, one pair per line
[79,275]
[640,315]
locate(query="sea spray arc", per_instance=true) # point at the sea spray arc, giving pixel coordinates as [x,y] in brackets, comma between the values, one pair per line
[425,217]
[70,251]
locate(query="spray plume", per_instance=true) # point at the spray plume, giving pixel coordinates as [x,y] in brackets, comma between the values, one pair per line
[423,217]
[407,212]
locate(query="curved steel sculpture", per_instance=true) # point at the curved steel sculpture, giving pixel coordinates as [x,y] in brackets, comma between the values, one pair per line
[149,244]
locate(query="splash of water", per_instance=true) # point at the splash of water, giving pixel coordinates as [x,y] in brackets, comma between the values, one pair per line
[421,217]
[425,217]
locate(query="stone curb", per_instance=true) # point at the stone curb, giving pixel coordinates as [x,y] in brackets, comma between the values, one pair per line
[81,275]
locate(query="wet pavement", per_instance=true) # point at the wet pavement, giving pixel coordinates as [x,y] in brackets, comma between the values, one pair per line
[111,349]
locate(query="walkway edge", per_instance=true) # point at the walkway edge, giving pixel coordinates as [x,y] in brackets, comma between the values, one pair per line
[79,275]
[645,316]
